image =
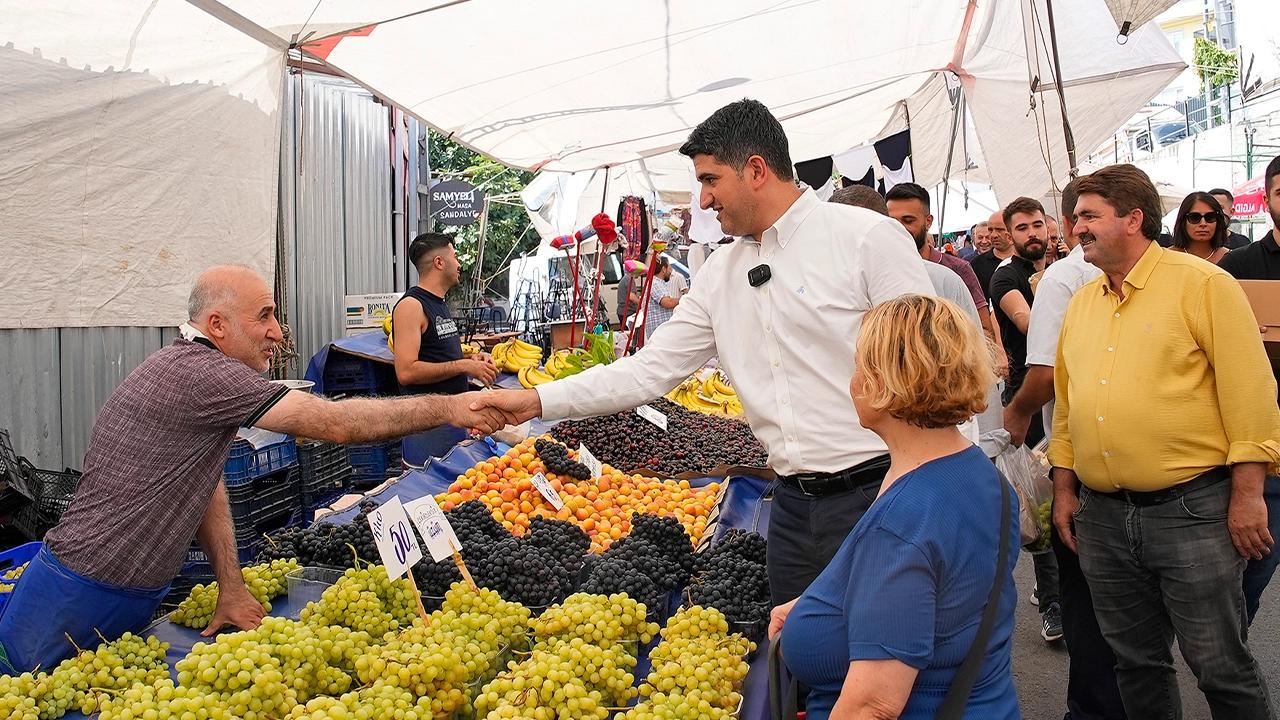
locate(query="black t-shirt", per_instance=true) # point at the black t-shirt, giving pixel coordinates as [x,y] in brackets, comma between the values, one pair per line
[1014,276]
[441,342]
[1236,240]
[1258,261]
[984,266]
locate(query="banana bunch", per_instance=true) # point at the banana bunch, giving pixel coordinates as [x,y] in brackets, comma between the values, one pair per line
[712,395]
[533,376]
[559,361]
[386,328]
[514,354]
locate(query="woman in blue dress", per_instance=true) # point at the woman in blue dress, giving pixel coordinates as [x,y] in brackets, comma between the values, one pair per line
[882,631]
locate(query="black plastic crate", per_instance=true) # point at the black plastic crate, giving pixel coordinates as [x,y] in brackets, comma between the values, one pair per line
[326,468]
[32,523]
[347,374]
[266,498]
[10,472]
[51,490]
[375,461]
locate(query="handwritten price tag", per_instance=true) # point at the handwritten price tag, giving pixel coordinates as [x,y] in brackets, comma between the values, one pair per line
[434,527]
[541,482]
[652,416]
[397,546]
[586,458]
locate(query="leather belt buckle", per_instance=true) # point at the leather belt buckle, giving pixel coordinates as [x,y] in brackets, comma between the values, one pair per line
[800,483]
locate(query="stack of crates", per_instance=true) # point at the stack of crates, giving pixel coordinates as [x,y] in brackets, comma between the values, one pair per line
[345,374]
[326,474]
[264,490]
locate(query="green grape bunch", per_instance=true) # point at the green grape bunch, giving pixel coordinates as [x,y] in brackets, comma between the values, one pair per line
[600,619]
[1044,518]
[265,582]
[365,599]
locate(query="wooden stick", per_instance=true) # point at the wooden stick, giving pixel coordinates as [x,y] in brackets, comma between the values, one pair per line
[417,596]
[462,567]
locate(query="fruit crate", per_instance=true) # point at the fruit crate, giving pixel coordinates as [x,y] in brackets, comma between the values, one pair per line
[265,498]
[326,468]
[10,559]
[245,463]
[349,375]
[375,461]
[51,489]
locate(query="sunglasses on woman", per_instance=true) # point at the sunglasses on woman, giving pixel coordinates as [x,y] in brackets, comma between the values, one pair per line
[1196,218]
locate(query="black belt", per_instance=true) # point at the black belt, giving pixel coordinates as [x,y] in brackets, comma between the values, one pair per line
[1159,497]
[866,473]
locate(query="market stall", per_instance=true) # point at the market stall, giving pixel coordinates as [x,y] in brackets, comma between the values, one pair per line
[730,504]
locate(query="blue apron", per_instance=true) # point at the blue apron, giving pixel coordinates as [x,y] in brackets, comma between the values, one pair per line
[50,600]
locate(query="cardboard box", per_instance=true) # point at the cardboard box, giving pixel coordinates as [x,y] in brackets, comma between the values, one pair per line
[1264,297]
[364,312]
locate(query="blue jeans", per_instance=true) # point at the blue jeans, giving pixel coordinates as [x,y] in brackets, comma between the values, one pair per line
[1170,570]
[1257,573]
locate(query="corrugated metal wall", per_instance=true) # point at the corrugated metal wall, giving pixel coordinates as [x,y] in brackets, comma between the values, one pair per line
[336,223]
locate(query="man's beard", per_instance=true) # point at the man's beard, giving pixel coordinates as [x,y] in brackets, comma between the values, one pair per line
[920,239]
[1031,253]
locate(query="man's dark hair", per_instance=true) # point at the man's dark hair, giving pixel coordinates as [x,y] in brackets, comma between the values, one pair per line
[1182,239]
[1069,199]
[739,130]
[1126,188]
[860,196]
[1273,171]
[661,262]
[1223,191]
[425,246]
[909,191]
[1026,205]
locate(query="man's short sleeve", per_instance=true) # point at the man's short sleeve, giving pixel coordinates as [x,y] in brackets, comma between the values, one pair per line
[891,601]
[1003,281]
[225,392]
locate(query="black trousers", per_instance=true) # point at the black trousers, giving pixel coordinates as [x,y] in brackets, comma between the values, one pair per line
[1092,693]
[805,533]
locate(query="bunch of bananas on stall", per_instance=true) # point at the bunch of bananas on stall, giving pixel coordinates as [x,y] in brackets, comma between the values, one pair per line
[712,395]
[513,355]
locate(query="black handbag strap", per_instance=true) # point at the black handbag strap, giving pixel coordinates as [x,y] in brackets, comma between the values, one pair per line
[782,699]
[958,695]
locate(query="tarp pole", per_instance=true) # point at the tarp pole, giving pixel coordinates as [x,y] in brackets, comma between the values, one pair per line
[1062,95]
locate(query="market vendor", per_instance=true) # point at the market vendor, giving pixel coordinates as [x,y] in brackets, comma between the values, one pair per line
[428,346]
[152,475]
[781,307]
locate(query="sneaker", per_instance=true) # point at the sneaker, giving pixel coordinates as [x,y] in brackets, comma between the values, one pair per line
[1051,623]
[1035,595]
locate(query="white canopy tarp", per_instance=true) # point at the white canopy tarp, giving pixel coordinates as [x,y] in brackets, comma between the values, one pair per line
[579,85]
[139,144]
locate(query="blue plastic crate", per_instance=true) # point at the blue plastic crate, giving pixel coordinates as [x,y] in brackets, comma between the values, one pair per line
[375,460]
[10,559]
[346,374]
[244,463]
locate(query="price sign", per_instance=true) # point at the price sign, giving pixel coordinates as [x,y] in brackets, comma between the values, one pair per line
[397,546]
[434,527]
[586,458]
[541,482]
[652,416]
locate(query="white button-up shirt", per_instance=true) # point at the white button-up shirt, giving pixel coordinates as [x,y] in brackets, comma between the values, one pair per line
[1059,283]
[787,345]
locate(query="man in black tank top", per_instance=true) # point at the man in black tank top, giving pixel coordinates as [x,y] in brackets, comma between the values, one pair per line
[428,346]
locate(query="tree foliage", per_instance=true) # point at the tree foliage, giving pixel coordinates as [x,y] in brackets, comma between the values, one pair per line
[507,223]
[1214,64]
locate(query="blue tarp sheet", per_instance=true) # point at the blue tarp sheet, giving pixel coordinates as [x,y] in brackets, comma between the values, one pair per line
[744,506]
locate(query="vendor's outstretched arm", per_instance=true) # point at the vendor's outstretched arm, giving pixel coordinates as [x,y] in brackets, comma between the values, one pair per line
[216,534]
[371,419]
[678,348]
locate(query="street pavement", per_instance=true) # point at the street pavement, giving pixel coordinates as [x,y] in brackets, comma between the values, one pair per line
[1040,668]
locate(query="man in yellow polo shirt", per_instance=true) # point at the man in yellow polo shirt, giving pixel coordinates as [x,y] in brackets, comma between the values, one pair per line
[1164,429]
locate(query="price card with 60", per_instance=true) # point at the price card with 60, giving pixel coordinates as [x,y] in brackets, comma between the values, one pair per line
[392,533]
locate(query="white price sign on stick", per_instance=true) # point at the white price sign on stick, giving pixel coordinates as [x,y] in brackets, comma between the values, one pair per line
[586,458]
[436,531]
[652,416]
[541,482]
[396,543]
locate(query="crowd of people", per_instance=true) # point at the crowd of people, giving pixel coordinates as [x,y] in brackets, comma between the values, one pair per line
[860,351]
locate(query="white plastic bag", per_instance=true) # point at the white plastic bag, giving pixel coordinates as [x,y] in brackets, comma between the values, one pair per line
[1028,474]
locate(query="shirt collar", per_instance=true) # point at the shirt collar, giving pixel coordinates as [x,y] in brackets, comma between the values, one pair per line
[1141,272]
[786,226]
[190,332]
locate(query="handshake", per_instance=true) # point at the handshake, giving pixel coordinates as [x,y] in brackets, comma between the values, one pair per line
[488,411]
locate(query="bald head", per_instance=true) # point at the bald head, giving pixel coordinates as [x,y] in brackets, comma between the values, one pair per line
[234,307]
[1001,241]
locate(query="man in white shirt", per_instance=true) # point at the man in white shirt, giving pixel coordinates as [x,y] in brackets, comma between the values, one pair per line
[781,307]
[664,296]
[1092,693]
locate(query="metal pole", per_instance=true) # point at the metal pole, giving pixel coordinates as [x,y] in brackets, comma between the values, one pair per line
[1062,97]
[478,278]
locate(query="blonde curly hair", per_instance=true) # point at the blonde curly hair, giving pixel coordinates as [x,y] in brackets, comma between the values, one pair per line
[924,362]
